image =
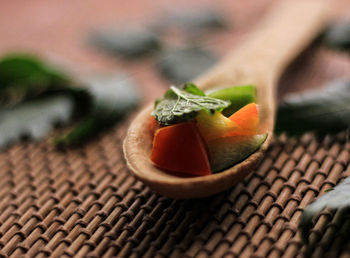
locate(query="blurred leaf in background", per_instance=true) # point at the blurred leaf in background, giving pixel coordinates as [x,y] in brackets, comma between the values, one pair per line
[128,42]
[113,97]
[190,21]
[177,58]
[322,111]
[23,76]
[180,65]
[41,97]
[337,36]
[34,118]
[337,198]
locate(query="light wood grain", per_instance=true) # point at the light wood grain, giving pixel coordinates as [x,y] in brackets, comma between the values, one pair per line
[288,28]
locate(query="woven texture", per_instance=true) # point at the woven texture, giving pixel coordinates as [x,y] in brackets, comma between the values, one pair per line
[84,202]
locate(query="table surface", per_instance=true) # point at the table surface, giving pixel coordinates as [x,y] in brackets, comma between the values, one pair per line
[84,202]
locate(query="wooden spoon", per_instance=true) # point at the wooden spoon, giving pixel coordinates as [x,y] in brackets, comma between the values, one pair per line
[259,60]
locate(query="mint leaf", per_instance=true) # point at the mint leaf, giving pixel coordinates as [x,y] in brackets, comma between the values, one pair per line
[34,97]
[34,118]
[181,105]
[24,76]
[113,96]
[191,88]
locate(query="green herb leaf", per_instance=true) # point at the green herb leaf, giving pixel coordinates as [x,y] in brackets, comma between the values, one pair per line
[180,105]
[338,198]
[34,97]
[113,97]
[191,88]
[34,118]
[28,88]
[239,96]
[23,76]
[323,111]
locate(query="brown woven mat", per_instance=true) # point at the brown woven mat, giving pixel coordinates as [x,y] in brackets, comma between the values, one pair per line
[85,203]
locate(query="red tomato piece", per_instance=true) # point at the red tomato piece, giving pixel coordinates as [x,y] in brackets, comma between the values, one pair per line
[153,125]
[180,148]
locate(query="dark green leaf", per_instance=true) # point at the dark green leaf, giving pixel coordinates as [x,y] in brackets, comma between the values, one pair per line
[23,76]
[323,111]
[113,98]
[26,78]
[338,198]
[34,97]
[178,105]
[34,118]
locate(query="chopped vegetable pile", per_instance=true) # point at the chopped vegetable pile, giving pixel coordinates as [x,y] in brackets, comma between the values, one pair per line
[195,134]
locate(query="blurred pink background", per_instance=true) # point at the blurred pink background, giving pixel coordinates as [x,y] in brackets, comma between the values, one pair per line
[57,30]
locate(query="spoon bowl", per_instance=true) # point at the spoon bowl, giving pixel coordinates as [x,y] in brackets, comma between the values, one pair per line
[284,33]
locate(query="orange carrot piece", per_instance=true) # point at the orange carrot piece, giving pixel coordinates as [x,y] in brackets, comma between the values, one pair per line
[180,148]
[247,118]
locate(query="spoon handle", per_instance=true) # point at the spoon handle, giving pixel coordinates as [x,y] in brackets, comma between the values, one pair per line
[283,34]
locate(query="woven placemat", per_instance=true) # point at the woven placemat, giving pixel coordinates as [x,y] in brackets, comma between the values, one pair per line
[84,202]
